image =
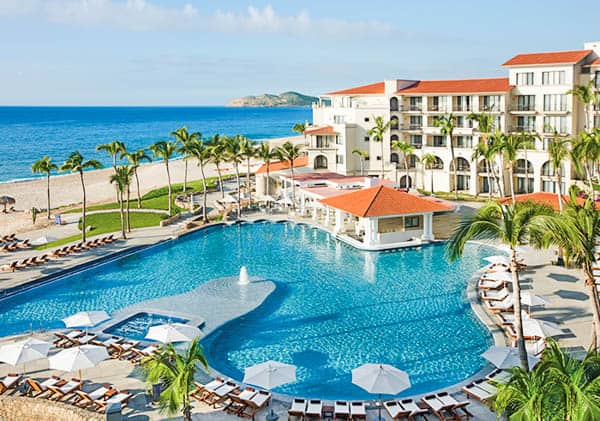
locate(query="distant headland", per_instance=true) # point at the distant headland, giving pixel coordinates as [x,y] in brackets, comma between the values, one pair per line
[286,99]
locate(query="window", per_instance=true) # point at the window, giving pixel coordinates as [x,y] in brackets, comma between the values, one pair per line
[555,102]
[394,122]
[438,103]
[415,103]
[463,122]
[464,141]
[338,119]
[412,222]
[394,157]
[366,119]
[525,78]
[558,123]
[463,103]
[490,103]
[378,158]
[497,123]
[367,138]
[525,102]
[597,79]
[439,141]
[339,140]
[416,140]
[526,123]
[322,142]
[597,121]
[416,122]
[556,77]
[339,159]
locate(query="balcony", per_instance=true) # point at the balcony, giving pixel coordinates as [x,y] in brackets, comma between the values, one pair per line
[522,108]
[463,108]
[526,129]
[412,108]
[416,145]
[489,108]
[437,108]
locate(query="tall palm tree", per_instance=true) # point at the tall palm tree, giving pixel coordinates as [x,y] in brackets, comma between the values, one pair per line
[185,139]
[45,166]
[76,164]
[266,154]
[429,161]
[122,179]
[512,224]
[176,371]
[577,231]
[135,160]
[290,152]
[589,97]
[115,149]
[299,128]
[558,151]
[362,155]
[201,152]
[217,155]
[485,127]
[248,151]
[527,141]
[525,396]
[585,155]
[234,154]
[377,133]
[487,153]
[446,124]
[509,146]
[165,150]
[406,149]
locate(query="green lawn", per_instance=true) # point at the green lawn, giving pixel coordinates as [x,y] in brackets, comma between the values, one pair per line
[108,222]
[461,196]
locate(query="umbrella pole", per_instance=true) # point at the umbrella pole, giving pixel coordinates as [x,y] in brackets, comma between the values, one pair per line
[380,404]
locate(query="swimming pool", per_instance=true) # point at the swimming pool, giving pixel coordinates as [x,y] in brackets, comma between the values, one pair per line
[136,326]
[334,307]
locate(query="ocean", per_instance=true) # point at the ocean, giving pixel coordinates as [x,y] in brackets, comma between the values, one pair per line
[28,133]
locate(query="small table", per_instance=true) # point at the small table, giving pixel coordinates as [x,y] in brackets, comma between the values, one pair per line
[328,412]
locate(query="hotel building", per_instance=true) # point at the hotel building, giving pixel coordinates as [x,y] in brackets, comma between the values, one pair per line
[533,98]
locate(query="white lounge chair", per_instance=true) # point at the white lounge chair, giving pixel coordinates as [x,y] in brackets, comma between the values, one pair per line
[491,295]
[341,410]
[505,304]
[395,410]
[358,411]
[314,409]
[298,409]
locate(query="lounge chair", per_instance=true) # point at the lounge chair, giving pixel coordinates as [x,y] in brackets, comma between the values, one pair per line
[441,410]
[10,267]
[491,295]
[84,339]
[414,408]
[219,395]
[358,411]
[499,376]
[236,404]
[121,398]
[108,342]
[202,389]
[23,264]
[535,348]
[497,306]
[297,410]
[60,393]
[457,406]
[489,284]
[37,389]
[11,381]
[123,350]
[23,244]
[341,410]
[395,410]
[66,339]
[480,390]
[254,401]
[85,399]
[138,354]
[314,410]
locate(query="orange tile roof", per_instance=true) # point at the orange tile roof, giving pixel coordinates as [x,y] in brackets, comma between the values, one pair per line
[283,165]
[550,199]
[383,201]
[327,130]
[458,86]
[557,57]
[371,89]
[595,62]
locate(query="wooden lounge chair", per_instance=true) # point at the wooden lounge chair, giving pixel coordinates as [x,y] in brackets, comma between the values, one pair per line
[138,354]
[497,306]
[219,395]
[10,267]
[499,376]
[84,399]
[66,339]
[22,264]
[314,410]
[23,244]
[11,381]
[237,402]
[254,402]
[443,411]
[341,410]
[209,387]
[492,295]
[480,390]
[122,350]
[84,339]
[121,398]
[414,408]
[358,411]
[37,389]
[458,409]
[395,410]
[60,393]
[297,410]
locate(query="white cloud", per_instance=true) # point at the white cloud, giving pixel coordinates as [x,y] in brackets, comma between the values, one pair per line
[146,15]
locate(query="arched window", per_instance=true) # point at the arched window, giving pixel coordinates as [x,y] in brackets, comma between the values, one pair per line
[548,170]
[320,162]
[439,164]
[462,164]
[403,184]
[394,137]
[394,157]
[394,122]
[521,165]
[393,104]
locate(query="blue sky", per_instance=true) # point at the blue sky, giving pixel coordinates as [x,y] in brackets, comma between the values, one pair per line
[204,52]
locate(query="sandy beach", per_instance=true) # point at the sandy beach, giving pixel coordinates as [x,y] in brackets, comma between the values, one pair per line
[66,188]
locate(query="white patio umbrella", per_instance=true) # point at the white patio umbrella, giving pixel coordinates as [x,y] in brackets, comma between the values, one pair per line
[497,260]
[531,300]
[23,352]
[540,328]
[270,374]
[173,332]
[506,248]
[504,357]
[86,319]
[381,379]
[42,240]
[78,358]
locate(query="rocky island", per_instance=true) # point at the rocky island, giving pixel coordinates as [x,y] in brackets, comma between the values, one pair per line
[286,99]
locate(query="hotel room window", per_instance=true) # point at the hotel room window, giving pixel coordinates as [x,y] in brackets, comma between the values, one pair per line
[412,222]
[525,78]
[597,79]
[555,102]
[339,140]
[339,159]
[556,77]
[558,123]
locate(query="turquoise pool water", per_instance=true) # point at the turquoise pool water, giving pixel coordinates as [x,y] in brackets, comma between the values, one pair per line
[334,307]
[136,327]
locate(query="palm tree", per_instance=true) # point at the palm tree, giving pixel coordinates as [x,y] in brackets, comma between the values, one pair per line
[45,166]
[577,231]
[558,151]
[524,396]
[406,149]
[165,150]
[512,224]
[185,139]
[217,155]
[485,127]
[176,372]
[115,149]
[527,141]
[289,152]
[377,133]
[135,159]
[362,155]
[509,146]
[446,125]
[233,154]
[76,164]
[121,179]
[589,97]
[201,152]
[487,153]
[248,151]
[429,161]
[265,153]
[299,128]
[585,154]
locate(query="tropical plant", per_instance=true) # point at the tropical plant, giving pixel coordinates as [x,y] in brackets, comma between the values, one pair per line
[362,155]
[430,161]
[266,154]
[115,149]
[217,156]
[585,155]
[45,166]
[248,151]
[299,128]
[175,371]
[406,149]
[377,133]
[509,146]
[122,180]
[135,159]
[165,150]
[185,140]
[290,152]
[588,96]
[527,141]
[446,124]
[485,128]
[233,153]
[558,151]
[76,164]
[484,151]
[201,152]
[511,224]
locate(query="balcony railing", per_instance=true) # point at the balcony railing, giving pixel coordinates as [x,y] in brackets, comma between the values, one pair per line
[489,107]
[440,108]
[463,108]
[523,107]
[415,126]
[526,129]
[417,145]
[416,107]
